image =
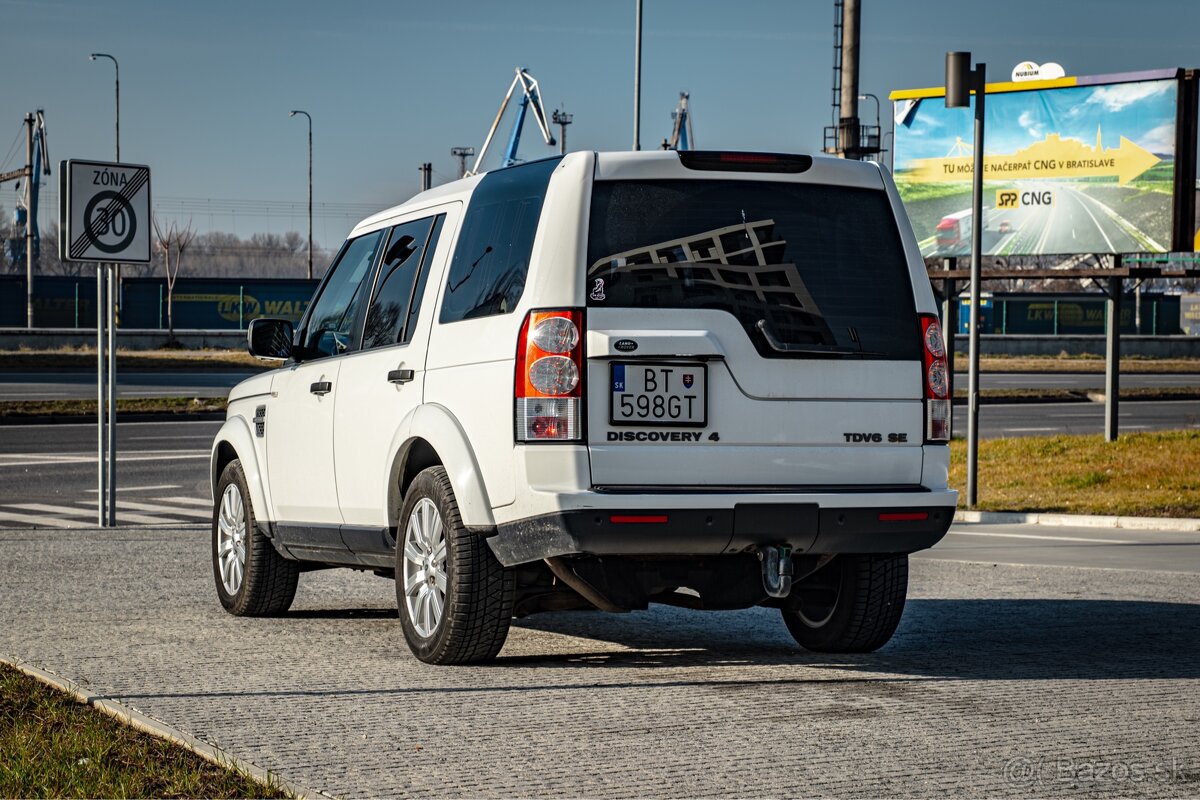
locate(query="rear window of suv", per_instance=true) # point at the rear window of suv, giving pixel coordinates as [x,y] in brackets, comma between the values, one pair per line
[809,270]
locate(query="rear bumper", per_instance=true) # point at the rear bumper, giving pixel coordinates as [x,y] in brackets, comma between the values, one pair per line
[920,521]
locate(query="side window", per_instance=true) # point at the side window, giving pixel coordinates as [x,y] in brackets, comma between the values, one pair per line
[331,318]
[405,262]
[487,275]
[422,278]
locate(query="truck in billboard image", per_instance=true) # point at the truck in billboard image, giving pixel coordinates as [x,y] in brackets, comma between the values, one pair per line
[1071,165]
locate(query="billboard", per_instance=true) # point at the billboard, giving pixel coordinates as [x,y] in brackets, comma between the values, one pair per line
[1071,165]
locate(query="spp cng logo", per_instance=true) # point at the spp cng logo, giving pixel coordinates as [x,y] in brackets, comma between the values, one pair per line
[1015,198]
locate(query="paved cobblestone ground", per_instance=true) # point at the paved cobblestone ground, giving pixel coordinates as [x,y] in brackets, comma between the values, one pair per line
[1003,680]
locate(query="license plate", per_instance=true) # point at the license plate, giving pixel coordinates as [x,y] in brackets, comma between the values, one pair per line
[659,394]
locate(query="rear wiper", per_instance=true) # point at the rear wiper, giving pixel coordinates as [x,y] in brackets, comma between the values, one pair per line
[809,349]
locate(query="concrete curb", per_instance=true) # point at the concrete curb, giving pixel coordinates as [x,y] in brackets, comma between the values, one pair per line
[1080,520]
[139,721]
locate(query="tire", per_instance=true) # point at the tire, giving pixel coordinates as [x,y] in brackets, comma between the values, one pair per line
[454,597]
[252,579]
[852,605]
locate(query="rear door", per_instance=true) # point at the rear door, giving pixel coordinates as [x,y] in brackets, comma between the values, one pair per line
[750,333]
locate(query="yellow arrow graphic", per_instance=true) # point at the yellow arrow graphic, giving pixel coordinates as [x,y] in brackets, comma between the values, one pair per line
[1053,157]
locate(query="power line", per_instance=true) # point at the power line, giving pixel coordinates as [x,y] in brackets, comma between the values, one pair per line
[13,148]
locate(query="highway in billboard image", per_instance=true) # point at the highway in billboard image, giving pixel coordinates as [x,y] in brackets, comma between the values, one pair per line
[1067,169]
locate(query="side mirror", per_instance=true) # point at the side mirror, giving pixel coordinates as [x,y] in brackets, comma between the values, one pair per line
[270,339]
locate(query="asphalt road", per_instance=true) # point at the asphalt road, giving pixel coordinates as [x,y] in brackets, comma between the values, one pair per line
[48,472]
[82,385]
[1045,419]
[1074,381]
[1002,680]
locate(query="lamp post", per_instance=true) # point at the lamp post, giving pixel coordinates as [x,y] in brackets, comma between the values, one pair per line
[637,77]
[310,229]
[117,67]
[878,132]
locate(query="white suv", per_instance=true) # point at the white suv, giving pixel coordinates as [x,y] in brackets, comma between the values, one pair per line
[714,380]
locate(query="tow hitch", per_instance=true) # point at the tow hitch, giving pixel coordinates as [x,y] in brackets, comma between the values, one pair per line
[776,569]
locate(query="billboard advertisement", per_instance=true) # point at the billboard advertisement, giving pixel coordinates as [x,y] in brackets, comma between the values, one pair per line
[1071,165]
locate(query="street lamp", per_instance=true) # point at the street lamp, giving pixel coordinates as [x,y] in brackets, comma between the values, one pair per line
[878,138]
[117,67]
[310,241]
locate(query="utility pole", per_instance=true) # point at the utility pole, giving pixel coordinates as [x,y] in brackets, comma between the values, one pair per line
[29,220]
[562,120]
[637,79]
[848,126]
[462,154]
[426,170]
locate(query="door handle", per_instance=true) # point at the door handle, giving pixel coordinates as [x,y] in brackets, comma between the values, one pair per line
[400,375]
[321,387]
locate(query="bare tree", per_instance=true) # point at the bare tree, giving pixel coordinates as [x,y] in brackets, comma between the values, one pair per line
[172,240]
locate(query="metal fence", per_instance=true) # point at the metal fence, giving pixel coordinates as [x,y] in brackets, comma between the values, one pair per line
[198,303]
[1071,315]
[224,304]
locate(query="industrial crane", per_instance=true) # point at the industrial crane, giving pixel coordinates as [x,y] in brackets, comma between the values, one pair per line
[681,132]
[38,163]
[529,97]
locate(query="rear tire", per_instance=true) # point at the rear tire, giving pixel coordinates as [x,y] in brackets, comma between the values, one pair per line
[454,597]
[253,580]
[851,605]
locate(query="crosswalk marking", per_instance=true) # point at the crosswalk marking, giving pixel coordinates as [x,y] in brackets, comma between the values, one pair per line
[143,488]
[38,521]
[155,508]
[61,511]
[146,511]
[39,459]
[190,501]
[48,509]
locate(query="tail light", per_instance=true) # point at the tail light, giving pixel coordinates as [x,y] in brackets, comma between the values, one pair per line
[936,380]
[548,386]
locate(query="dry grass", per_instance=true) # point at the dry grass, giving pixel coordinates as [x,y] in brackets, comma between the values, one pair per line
[84,358]
[1001,396]
[1141,474]
[1130,365]
[125,405]
[52,746]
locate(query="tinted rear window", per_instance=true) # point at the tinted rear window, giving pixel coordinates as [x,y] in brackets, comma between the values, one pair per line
[814,268]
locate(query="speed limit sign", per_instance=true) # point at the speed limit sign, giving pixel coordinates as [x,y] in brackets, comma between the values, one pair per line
[104,212]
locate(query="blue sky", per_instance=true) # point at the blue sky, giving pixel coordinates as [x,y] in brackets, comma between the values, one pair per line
[206,86]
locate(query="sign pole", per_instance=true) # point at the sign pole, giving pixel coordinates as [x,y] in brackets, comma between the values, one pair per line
[961,81]
[105,219]
[101,490]
[978,78]
[1112,356]
[111,466]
